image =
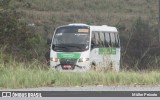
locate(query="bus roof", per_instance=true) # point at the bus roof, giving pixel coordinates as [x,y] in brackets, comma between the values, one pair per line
[74,24]
[94,28]
[103,28]
[78,24]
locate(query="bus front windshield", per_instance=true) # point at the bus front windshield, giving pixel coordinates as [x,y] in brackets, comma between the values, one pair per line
[71,39]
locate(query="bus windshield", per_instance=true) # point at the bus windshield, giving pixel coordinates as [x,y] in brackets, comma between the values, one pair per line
[71,39]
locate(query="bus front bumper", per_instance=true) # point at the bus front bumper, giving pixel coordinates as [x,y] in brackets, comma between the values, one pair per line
[75,67]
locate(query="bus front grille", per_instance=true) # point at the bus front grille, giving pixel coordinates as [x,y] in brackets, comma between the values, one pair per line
[68,62]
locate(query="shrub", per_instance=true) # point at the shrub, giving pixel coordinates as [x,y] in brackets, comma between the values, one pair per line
[142,37]
[20,39]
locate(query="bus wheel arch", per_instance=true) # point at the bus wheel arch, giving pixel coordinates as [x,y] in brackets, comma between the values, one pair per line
[93,65]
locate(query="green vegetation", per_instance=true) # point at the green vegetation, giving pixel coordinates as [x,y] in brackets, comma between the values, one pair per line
[34,73]
[30,22]
[26,25]
[22,75]
[59,12]
[136,21]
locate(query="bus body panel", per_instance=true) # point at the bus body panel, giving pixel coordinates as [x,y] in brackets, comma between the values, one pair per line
[105,57]
[85,65]
[72,57]
[106,61]
[82,60]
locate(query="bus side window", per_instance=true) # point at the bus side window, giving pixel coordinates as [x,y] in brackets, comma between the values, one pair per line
[113,39]
[116,40]
[107,39]
[101,39]
[93,40]
[98,39]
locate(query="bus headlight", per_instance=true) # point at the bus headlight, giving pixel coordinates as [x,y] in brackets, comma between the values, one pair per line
[54,59]
[83,59]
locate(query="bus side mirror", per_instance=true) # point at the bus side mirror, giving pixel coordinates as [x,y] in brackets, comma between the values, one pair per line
[49,41]
[53,46]
[92,45]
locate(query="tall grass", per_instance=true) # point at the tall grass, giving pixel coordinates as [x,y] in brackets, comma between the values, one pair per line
[36,74]
[23,78]
[14,74]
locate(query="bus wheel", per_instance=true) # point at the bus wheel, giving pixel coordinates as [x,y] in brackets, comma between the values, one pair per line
[93,66]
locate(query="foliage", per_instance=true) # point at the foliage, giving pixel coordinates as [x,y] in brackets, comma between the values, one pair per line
[26,42]
[33,74]
[20,38]
[139,44]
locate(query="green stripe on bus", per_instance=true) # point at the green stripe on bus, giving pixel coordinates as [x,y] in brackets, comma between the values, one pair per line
[107,51]
[68,55]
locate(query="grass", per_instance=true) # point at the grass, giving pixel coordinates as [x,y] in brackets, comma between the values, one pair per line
[59,12]
[47,14]
[22,75]
[14,74]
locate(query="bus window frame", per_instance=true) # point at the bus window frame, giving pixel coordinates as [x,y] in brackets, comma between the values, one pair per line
[98,42]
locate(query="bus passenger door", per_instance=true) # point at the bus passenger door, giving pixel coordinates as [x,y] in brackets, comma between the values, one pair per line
[95,58]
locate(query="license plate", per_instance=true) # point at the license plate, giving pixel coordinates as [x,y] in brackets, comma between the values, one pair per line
[67,66]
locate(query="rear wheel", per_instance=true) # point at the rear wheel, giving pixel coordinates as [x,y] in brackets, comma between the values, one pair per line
[93,66]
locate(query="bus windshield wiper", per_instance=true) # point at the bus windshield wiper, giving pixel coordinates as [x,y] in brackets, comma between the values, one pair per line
[57,46]
[74,46]
[67,47]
